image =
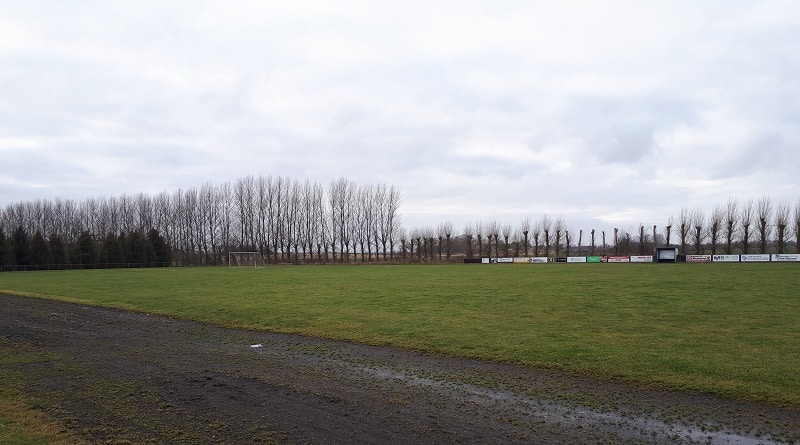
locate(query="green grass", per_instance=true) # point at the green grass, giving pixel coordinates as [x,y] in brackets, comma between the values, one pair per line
[21,423]
[731,329]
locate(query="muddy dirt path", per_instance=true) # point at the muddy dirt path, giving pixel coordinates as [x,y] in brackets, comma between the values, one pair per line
[124,377]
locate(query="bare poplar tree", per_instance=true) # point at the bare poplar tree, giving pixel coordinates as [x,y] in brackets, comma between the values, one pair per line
[469,234]
[430,235]
[448,233]
[445,231]
[685,221]
[318,221]
[698,222]
[591,252]
[746,216]
[506,232]
[782,212]
[525,228]
[559,228]
[245,193]
[360,214]
[731,213]
[537,233]
[603,237]
[764,213]
[403,251]
[642,239]
[715,223]
[479,231]
[517,241]
[390,219]
[547,227]
[493,231]
[668,231]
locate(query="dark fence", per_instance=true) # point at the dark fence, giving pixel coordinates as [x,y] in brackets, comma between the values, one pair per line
[35,267]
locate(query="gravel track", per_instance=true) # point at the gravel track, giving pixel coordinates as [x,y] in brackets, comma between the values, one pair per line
[115,376]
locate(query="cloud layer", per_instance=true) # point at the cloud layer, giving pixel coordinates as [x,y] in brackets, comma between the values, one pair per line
[605,114]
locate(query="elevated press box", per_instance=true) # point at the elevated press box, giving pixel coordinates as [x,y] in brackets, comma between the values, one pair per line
[666,254]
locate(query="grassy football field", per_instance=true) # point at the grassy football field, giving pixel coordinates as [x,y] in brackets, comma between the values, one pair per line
[730,329]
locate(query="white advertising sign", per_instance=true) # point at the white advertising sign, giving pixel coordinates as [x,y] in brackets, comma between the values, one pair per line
[755,258]
[786,257]
[698,258]
[505,260]
[725,258]
[618,259]
[576,259]
[641,258]
[539,260]
[485,260]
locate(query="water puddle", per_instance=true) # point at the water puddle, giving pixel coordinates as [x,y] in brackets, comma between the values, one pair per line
[635,426]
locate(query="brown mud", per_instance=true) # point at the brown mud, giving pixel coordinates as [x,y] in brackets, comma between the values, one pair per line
[114,376]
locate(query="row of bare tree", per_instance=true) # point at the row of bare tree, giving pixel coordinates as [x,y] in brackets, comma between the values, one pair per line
[288,220]
[283,219]
[752,226]
[747,227]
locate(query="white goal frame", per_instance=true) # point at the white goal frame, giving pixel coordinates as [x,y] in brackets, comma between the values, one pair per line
[244,259]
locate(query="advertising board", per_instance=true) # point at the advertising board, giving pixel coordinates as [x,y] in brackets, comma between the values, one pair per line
[750,258]
[539,260]
[485,261]
[522,260]
[698,258]
[616,259]
[786,257]
[505,260]
[641,258]
[594,259]
[576,259]
[725,258]
[561,259]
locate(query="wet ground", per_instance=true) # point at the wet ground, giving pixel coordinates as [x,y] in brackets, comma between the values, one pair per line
[123,377]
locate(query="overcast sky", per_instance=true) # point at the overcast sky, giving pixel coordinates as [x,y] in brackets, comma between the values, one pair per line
[604,113]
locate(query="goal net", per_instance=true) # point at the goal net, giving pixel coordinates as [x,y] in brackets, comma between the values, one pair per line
[244,259]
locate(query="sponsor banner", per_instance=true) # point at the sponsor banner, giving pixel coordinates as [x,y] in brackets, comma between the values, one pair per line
[786,257]
[755,258]
[698,258]
[505,260]
[521,260]
[576,259]
[616,259]
[641,258]
[725,258]
[539,260]
[485,260]
[594,259]
[561,259]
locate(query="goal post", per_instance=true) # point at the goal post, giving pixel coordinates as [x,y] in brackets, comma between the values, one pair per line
[244,259]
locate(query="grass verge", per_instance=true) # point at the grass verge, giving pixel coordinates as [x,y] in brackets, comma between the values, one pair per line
[21,423]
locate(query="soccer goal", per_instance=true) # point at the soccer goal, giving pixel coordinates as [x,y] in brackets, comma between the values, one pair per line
[244,259]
